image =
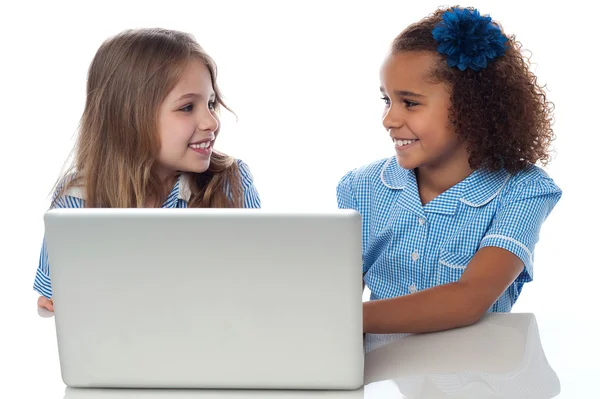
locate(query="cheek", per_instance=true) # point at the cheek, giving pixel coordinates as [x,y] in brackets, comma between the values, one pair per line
[425,125]
[176,132]
[440,115]
[436,125]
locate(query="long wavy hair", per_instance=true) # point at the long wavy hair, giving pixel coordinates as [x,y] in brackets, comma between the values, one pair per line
[115,155]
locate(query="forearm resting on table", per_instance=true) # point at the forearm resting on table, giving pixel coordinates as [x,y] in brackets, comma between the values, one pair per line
[447,306]
[438,308]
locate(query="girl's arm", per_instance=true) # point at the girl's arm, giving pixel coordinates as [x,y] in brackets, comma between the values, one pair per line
[42,284]
[447,306]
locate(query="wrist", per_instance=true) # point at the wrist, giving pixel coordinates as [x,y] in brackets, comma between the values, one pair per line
[367,316]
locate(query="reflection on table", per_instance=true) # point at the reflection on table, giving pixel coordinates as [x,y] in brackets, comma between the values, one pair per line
[500,357]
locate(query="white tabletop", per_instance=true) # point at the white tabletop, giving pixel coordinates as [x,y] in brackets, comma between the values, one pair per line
[516,355]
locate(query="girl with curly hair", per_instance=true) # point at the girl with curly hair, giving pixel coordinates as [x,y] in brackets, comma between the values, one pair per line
[451,222]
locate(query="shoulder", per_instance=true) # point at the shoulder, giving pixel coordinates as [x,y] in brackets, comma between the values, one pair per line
[532,181]
[357,186]
[244,170]
[69,193]
[500,186]
[247,178]
[368,173]
[251,196]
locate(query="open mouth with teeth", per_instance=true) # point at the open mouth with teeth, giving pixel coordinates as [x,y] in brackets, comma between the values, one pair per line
[403,143]
[206,144]
[203,148]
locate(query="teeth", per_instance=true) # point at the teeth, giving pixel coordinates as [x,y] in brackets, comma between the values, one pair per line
[401,143]
[201,145]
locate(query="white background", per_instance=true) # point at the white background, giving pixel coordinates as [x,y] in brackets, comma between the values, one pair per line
[303,78]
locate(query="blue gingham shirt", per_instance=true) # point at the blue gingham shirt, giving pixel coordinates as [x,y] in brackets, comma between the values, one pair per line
[178,198]
[409,247]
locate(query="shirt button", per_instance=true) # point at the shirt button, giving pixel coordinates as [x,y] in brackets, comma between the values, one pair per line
[415,255]
[421,221]
[412,288]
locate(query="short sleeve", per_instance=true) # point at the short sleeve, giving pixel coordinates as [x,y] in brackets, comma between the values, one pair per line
[519,220]
[346,200]
[345,193]
[251,196]
[42,284]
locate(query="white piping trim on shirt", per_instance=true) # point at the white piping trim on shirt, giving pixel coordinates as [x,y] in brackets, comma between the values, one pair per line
[490,198]
[513,241]
[453,266]
[385,166]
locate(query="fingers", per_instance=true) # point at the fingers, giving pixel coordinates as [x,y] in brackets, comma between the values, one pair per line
[46,303]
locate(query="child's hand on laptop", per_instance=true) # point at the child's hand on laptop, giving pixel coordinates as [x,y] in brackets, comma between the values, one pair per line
[45,303]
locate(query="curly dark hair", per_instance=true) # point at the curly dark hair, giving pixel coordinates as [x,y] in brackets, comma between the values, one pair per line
[501,111]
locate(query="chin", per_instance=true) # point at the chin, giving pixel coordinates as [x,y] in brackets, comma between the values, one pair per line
[196,168]
[407,163]
[202,169]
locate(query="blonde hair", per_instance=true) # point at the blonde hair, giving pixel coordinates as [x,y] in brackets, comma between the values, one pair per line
[117,146]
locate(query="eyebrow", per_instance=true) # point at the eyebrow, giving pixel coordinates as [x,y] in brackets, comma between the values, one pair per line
[403,93]
[192,95]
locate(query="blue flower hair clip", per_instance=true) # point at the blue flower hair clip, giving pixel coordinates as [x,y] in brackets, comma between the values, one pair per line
[468,39]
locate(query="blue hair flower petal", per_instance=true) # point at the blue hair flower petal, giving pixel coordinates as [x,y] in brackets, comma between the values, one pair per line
[468,40]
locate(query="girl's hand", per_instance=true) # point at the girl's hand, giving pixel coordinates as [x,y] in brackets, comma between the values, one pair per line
[45,303]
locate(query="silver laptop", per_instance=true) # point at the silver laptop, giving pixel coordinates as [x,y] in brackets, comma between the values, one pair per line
[207,298]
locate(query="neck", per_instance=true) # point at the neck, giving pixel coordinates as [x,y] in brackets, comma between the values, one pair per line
[434,180]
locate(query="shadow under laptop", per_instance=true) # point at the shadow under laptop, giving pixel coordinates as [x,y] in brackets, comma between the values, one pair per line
[500,357]
[99,393]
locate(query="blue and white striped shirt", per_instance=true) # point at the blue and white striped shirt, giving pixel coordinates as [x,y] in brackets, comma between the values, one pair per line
[409,247]
[178,198]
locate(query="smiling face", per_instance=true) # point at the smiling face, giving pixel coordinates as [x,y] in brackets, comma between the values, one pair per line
[416,115]
[188,123]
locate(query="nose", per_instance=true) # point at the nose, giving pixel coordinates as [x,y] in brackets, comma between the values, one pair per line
[393,119]
[208,122]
